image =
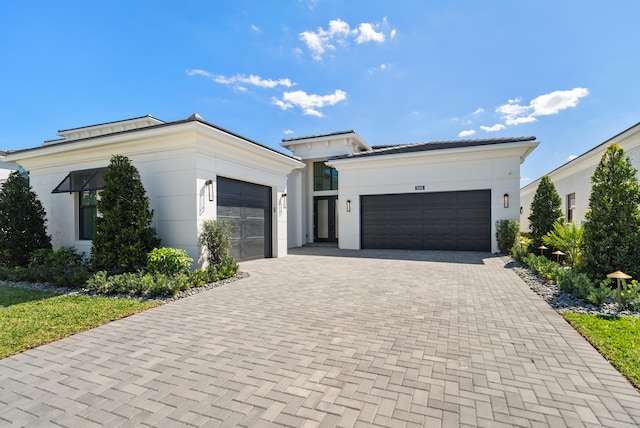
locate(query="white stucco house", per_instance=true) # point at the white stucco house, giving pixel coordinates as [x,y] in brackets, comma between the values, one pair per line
[191,169]
[444,195]
[573,179]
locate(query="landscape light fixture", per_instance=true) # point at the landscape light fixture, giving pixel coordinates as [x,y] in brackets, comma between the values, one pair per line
[618,275]
[542,248]
[348,205]
[209,184]
[558,253]
[505,200]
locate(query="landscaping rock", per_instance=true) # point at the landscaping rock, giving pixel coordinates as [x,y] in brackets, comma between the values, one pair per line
[560,300]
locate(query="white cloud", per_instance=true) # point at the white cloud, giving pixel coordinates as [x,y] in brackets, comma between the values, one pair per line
[513,113]
[572,157]
[556,101]
[467,133]
[255,28]
[494,128]
[368,34]
[478,111]
[240,79]
[393,33]
[198,72]
[288,132]
[458,120]
[253,80]
[381,67]
[310,104]
[280,103]
[338,33]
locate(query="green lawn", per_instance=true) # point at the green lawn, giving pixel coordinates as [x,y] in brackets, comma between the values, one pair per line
[30,318]
[617,338]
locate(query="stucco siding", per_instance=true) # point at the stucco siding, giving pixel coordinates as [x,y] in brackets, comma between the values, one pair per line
[482,169]
[575,177]
[174,164]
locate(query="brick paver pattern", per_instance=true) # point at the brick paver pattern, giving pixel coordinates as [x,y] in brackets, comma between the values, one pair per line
[330,338]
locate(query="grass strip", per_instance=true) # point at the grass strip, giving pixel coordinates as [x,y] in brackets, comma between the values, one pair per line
[30,318]
[617,338]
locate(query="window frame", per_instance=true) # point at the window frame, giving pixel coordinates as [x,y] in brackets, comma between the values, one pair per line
[571,207]
[324,177]
[82,209]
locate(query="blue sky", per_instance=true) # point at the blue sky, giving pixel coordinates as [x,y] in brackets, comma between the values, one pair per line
[396,72]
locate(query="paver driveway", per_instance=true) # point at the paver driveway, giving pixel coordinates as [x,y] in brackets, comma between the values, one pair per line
[389,338]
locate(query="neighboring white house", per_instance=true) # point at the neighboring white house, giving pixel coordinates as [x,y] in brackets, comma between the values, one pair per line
[573,179]
[5,168]
[191,169]
[443,195]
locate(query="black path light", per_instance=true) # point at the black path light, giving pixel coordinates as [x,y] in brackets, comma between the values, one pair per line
[618,275]
[558,253]
[542,248]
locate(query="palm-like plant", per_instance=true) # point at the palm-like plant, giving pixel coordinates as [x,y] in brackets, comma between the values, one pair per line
[566,237]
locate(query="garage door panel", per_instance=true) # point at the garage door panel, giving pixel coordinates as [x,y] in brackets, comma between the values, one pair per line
[247,206]
[438,221]
[409,214]
[403,231]
[439,213]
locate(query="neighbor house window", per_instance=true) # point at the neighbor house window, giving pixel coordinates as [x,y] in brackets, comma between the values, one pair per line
[87,214]
[324,177]
[571,206]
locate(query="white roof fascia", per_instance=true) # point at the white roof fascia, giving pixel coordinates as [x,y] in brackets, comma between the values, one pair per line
[331,137]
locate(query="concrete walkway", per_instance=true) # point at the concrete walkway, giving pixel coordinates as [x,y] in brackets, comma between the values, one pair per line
[330,338]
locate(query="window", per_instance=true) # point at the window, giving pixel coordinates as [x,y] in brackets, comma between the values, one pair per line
[324,177]
[88,212]
[571,206]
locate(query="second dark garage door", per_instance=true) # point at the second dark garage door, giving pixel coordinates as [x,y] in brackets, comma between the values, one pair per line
[427,221]
[248,207]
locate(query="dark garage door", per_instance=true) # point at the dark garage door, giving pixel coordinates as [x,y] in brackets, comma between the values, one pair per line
[427,221]
[248,207]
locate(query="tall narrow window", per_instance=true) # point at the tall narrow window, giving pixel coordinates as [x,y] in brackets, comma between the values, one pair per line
[571,206]
[88,212]
[324,177]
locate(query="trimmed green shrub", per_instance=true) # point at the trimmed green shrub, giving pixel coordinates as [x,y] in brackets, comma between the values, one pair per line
[610,238]
[519,252]
[580,285]
[599,292]
[159,284]
[124,235]
[23,221]
[507,232]
[169,261]
[215,237]
[540,265]
[545,210]
[65,267]
[630,295]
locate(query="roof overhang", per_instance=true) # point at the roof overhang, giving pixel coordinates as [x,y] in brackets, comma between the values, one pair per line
[522,149]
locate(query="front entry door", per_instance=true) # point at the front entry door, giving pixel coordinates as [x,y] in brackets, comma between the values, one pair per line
[324,218]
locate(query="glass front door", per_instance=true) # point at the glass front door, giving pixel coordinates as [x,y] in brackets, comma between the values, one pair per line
[324,219]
